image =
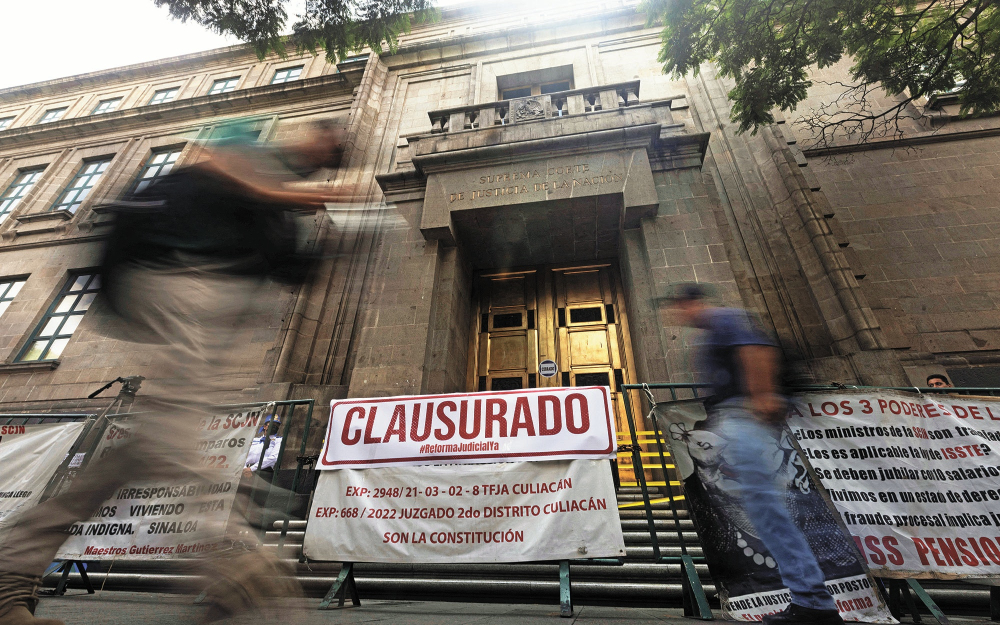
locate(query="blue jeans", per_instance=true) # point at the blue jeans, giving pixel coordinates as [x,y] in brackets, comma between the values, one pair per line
[749,440]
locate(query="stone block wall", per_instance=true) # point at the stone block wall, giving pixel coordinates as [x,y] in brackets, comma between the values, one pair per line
[923,223]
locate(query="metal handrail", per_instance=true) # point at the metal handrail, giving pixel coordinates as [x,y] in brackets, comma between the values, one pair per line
[638,466]
[695,601]
[299,460]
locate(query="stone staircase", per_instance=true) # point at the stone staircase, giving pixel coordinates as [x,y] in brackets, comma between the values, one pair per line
[639,581]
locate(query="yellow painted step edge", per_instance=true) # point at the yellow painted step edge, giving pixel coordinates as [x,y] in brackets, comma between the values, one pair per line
[636,504]
[649,483]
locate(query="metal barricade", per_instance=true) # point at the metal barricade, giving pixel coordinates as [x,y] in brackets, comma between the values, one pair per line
[296,428]
[694,599]
[43,418]
[642,439]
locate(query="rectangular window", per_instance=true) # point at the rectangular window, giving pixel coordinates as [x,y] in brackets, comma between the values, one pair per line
[62,318]
[53,115]
[17,190]
[535,82]
[554,87]
[5,122]
[8,290]
[159,164]
[224,85]
[106,106]
[287,74]
[516,92]
[79,188]
[165,95]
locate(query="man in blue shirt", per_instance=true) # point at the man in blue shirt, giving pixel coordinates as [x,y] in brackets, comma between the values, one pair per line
[747,410]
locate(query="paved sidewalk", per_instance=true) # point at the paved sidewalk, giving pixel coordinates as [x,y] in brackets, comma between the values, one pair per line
[132,608]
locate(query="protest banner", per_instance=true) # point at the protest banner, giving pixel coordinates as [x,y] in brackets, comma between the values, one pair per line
[504,426]
[523,475]
[745,573]
[152,520]
[505,512]
[29,456]
[915,478]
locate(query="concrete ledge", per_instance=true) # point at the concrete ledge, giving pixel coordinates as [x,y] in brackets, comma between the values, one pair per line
[29,367]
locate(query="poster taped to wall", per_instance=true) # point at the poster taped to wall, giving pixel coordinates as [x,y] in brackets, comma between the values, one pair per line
[29,456]
[745,574]
[505,512]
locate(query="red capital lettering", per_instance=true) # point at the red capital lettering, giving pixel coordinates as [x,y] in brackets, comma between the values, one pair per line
[345,437]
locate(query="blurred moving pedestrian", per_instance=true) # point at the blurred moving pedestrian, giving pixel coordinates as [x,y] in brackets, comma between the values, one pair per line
[747,409]
[938,380]
[185,267]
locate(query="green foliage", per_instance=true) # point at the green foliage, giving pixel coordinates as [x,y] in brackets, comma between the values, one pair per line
[340,27]
[907,48]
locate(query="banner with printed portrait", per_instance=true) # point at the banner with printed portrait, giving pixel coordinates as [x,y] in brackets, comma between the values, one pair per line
[745,573]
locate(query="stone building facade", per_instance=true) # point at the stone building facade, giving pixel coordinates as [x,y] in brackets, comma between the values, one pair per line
[531,188]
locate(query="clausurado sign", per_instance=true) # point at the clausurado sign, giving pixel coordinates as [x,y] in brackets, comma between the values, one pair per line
[470,428]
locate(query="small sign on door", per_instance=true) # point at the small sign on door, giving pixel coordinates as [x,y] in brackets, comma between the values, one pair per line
[548,369]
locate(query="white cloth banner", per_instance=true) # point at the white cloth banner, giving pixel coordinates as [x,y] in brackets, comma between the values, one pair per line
[916,478]
[508,426]
[153,520]
[508,512]
[29,455]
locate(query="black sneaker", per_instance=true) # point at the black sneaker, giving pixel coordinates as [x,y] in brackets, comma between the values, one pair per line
[798,615]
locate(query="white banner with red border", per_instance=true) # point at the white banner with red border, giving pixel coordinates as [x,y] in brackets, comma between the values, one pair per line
[504,512]
[470,428]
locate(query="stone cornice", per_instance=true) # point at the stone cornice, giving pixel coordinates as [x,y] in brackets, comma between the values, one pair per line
[243,52]
[597,141]
[28,367]
[236,102]
[127,73]
[889,144]
[649,136]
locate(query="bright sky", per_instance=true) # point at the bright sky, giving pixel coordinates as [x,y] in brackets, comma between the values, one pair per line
[46,39]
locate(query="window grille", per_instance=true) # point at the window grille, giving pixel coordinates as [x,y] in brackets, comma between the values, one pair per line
[287,74]
[224,85]
[9,288]
[17,190]
[159,164]
[53,115]
[79,188]
[62,318]
[106,106]
[165,95]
